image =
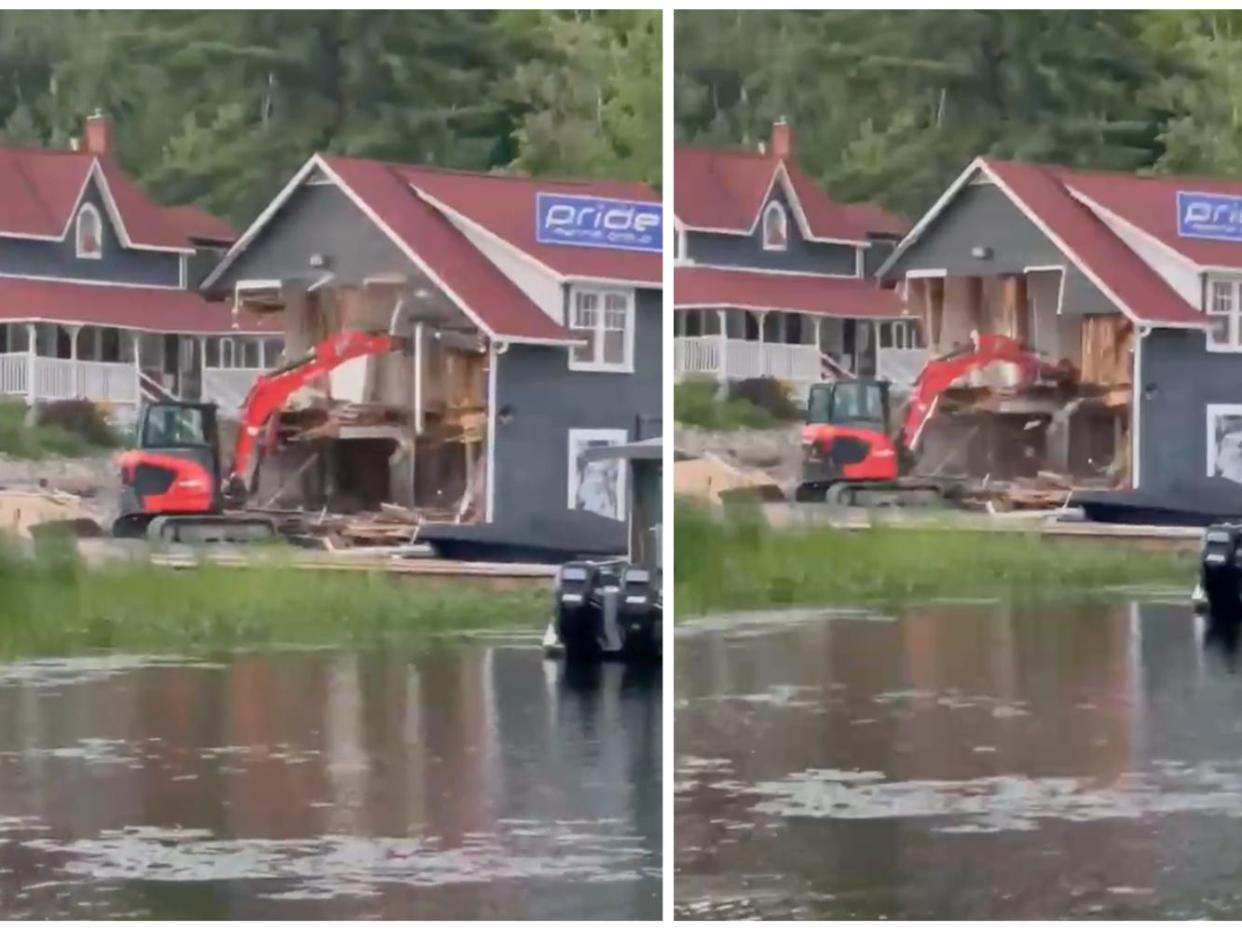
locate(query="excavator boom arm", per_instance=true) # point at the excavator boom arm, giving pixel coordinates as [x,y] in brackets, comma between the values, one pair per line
[939,374]
[271,390]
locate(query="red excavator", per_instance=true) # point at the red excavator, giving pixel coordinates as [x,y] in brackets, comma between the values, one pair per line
[172,485]
[850,454]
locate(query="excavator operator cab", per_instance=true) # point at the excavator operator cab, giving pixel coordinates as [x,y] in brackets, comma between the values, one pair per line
[857,403]
[164,425]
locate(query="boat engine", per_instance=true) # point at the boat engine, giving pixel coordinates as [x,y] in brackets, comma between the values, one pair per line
[605,610]
[1220,573]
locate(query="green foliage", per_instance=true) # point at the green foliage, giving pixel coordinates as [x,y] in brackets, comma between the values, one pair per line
[770,394]
[81,418]
[54,605]
[695,403]
[890,105]
[219,110]
[19,440]
[739,563]
[753,404]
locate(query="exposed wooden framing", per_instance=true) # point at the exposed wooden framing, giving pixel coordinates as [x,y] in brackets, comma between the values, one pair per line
[1107,345]
[1016,309]
[974,305]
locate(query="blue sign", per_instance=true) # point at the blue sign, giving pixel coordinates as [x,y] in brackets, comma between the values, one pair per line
[1209,216]
[600,222]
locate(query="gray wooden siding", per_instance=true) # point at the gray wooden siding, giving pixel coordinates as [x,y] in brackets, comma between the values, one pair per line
[748,251]
[47,259]
[547,400]
[982,215]
[319,219]
[1180,378]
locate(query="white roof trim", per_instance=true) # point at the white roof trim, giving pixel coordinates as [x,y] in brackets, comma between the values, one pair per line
[733,306]
[1111,216]
[751,270]
[235,332]
[804,226]
[488,234]
[259,222]
[316,161]
[1082,266]
[114,215]
[932,213]
[980,165]
[89,281]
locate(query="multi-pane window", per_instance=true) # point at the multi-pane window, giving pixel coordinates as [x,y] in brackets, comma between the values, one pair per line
[1224,306]
[604,320]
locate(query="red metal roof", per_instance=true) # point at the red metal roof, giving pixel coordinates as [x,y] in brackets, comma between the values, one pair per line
[164,310]
[39,189]
[696,286]
[1042,191]
[1150,203]
[196,224]
[505,206]
[471,278]
[723,189]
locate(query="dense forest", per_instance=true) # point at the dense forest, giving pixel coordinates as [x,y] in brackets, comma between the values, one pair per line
[219,107]
[891,105]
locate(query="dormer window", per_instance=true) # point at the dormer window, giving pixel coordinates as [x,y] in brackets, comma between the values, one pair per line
[89,233]
[775,227]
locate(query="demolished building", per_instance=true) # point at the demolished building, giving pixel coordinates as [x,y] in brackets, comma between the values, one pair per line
[1101,273]
[533,334]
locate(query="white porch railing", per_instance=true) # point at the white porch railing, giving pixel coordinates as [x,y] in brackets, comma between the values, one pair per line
[745,359]
[13,374]
[228,387]
[899,366]
[63,379]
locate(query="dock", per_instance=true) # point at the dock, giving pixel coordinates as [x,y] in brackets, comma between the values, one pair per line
[1059,525]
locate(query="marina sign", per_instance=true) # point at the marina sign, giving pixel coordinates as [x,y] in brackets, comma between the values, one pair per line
[1209,216]
[603,223]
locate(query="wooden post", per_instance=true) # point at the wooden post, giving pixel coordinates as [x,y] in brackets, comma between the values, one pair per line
[723,316]
[974,304]
[1015,309]
[933,312]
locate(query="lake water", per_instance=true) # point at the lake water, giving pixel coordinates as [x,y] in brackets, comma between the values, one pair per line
[463,781]
[960,762]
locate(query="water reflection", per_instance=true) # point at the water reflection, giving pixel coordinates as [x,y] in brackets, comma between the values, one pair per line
[961,762]
[459,782]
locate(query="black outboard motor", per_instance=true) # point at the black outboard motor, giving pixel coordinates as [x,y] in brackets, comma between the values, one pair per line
[1220,572]
[638,616]
[577,619]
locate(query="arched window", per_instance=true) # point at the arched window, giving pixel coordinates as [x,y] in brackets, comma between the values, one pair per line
[89,233]
[775,227]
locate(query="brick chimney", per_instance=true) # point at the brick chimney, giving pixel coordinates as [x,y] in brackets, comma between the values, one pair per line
[98,133]
[781,145]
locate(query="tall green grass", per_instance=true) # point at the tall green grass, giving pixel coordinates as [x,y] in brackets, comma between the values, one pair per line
[740,562]
[53,604]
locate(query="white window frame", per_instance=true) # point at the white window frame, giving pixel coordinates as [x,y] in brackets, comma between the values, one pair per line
[779,208]
[631,317]
[577,440]
[97,252]
[1233,337]
[1214,413]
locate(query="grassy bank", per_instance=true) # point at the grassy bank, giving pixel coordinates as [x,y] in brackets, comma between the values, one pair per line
[741,563]
[55,605]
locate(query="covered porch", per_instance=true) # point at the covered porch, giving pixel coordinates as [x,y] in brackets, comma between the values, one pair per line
[116,345]
[802,329]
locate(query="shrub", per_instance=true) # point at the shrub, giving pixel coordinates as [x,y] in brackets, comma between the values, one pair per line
[695,404]
[82,418]
[772,395]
